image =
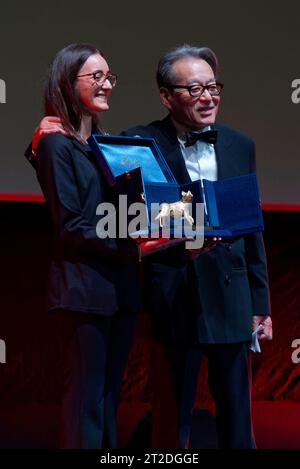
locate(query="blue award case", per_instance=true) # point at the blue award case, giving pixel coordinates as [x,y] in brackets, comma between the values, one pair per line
[135,166]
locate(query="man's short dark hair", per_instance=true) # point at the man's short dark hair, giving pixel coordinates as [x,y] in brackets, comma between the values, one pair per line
[165,75]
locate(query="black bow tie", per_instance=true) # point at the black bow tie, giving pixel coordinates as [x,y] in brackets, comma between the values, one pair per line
[209,136]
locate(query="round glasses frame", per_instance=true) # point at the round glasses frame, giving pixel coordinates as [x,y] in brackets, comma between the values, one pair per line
[100,77]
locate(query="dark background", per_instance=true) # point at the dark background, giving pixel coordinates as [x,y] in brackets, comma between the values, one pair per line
[257,44]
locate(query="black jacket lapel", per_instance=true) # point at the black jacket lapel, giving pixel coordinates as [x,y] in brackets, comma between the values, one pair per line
[227,153]
[171,151]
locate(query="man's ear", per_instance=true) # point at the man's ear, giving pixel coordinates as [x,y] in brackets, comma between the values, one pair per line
[165,97]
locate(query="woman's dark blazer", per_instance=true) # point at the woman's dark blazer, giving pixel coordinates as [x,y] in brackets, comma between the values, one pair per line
[87,274]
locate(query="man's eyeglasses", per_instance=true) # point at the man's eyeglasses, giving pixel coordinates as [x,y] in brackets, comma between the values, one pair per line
[214,89]
[100,77]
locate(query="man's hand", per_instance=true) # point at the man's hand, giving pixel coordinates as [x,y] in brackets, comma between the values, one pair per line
[48,125]
[267,332]
[208,245]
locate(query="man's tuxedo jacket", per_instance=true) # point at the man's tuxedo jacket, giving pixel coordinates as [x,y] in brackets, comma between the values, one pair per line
[210,299]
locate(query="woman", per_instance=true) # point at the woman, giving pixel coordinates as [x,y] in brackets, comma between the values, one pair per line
[93,282]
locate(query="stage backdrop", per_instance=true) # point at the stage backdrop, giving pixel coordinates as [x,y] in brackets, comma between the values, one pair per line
[257,44]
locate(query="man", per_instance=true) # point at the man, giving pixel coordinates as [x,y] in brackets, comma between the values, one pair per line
[209,305]
[228,285]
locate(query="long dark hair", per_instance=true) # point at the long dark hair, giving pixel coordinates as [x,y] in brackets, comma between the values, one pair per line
[60,96]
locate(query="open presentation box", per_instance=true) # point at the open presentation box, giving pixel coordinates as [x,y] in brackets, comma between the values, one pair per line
[137,168]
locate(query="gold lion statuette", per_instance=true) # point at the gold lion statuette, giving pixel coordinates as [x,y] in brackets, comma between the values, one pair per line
[179,210]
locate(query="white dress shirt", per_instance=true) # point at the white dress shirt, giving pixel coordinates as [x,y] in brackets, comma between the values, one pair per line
[200,159]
